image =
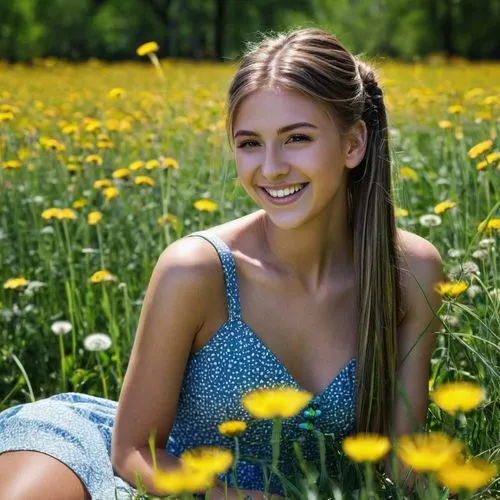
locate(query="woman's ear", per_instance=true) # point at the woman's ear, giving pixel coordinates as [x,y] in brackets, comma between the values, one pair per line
[356,144]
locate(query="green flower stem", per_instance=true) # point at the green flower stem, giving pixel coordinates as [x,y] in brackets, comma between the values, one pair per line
[233,468]
[101,246]
[276,441]
[103,377]
[64,384]
[114,330]
[369,479]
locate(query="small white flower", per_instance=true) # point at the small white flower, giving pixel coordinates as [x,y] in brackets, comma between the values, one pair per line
[480,254]
[47,230]
[455,253]
[97,342]
[495,293]
[473,290]
[486,242]
[470,268]
[450,320]
[430,220]
[89,250]
[61,327]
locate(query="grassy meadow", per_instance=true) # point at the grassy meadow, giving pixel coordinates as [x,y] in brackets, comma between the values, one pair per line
[103,165]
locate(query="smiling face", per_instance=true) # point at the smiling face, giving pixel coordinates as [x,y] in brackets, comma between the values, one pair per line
[291,156]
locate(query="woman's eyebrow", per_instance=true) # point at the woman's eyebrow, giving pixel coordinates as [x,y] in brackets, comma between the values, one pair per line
[281,130]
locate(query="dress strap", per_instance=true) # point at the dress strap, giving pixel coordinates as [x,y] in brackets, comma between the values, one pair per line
[229,269]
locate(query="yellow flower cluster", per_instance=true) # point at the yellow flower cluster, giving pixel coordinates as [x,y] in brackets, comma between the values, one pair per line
[59,213]
[451,289]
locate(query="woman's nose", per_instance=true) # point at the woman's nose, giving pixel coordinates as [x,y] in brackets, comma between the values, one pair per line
[274,165]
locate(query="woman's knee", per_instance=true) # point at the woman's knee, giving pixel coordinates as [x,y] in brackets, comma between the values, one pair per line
[32,475]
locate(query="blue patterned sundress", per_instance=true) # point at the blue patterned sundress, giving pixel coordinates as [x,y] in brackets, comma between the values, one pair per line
[76,428]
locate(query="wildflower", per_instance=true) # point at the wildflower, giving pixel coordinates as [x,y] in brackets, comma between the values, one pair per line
[67,213]
[120,173]
[208,459]
[14,283]
[455,253]
[93,125]
[61,327]
[94,217]
[94,159]
[80,203]
[451,289]
[427,452]
[482,165]
[147,48]
[232,428]
[102,183]
[152,164]
[480,254]
[470,475]
[443,206]
[450,320]
[490,100]
[480,148]
[493,157]
[470,268]
[475,92]
[97,342]
[136,165]
[366,447]
[400,212]
[170,163]
[489,226]
[280,402]
[51,213]
[167,219]
[205,205]
[116,93]
[486,242]
[11,164]
[70,129]
[6,117]
[430,220]
[110,192]
[144,180]
[458,396]
[473,290]
[182,480]
[455,109]
[445,124]
[408,173]
[101,276]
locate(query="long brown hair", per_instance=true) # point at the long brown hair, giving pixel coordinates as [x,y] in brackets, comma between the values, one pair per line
[314,63]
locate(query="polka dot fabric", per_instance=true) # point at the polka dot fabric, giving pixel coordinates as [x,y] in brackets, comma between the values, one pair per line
[76,429]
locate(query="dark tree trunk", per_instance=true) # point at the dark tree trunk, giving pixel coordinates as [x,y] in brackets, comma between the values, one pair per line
[220,24]
[447,28]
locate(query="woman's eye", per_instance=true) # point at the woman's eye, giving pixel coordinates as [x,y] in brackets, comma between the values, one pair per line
[299,138]
[247,144]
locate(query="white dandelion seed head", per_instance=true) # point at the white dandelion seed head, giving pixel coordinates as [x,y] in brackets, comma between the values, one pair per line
[455,253]
[470,268]
[97,342]
[47,230]
[473,290]
[480,254]
[486,242]
[430,220]
[89,250]
[61,327]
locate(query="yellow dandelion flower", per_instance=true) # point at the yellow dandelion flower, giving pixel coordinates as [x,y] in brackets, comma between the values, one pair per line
[54,145]
[205,205]
[170,163]
[445,124]
[479,148]
[470,475]
[167,219]
[102,183]
[73,168]
[6,117]
[11,164]
[491,100]
[489,226]
[408,174]
[482,165]
[116,93]
[104,144]
[51,213]
[80,203]
[152,164]
[451,289]
[110,192]
[366,447]
[427,452]
[473,93]
[443,206]
[493,157]
[456,109]
[67,213]
[94,159]
[209,459]
[232,428]
[283,402]
[182,481]
[120,173]
[93,126]
[142,180]
[94,217]
[102,276]
[458,396]
[136,165]
[14,283]
[400,212]
[147,48]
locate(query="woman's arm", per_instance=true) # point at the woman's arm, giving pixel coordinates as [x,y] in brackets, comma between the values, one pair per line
[174,309]
[422,269]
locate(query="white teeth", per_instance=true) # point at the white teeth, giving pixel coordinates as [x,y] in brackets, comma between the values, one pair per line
[281,193]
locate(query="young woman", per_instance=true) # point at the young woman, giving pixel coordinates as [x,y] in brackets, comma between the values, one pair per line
[317,290]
